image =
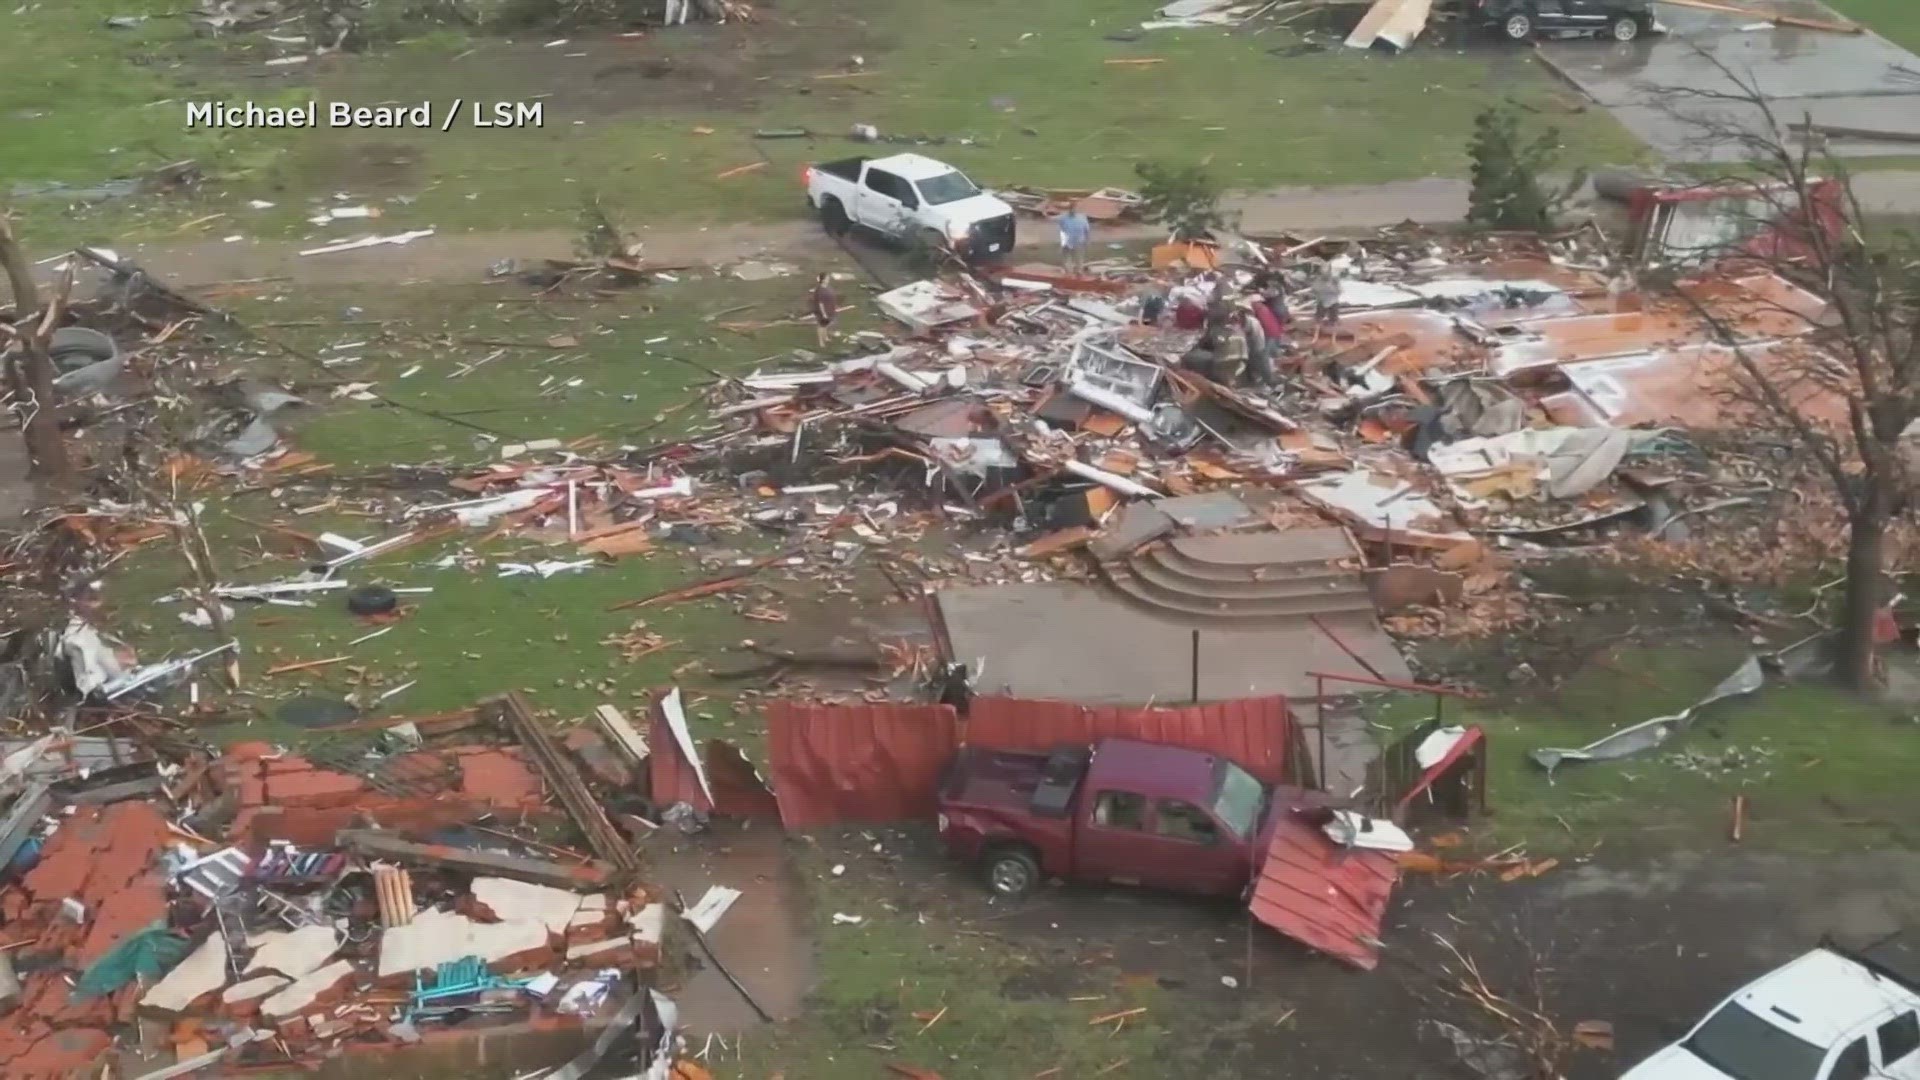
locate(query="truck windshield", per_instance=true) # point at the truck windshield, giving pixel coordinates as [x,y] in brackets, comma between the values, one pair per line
[1237,799]
[1743,1045]
[946,188]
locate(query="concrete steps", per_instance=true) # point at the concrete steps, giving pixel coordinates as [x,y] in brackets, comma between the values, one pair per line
[1243,578]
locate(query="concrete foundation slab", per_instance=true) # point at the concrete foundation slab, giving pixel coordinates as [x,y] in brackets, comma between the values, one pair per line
[1067,641]
[1840,79]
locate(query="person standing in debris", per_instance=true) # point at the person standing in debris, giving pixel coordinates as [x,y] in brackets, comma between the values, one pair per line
[1233,352]
[1153,306]
[826,308]
[1326,303]
[1259,346]
[1270,307]
[1075,231]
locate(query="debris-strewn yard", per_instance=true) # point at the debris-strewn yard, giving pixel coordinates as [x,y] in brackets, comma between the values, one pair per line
[583,483]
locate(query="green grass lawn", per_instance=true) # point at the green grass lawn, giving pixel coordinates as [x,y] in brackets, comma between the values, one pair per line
[1032,89]
[1896,20]
[1823,770]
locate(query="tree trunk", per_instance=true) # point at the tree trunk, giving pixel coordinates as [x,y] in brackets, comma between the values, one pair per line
[1866,553]
[30,370]
[30,375]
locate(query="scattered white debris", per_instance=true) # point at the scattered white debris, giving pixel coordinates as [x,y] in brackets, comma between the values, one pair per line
[370,241]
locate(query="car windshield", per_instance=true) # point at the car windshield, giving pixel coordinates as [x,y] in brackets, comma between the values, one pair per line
[946,188]
[1237,799]
[1743,1045]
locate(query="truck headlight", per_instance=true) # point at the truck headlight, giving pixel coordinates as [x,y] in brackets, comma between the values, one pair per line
[957,232]
[941,821]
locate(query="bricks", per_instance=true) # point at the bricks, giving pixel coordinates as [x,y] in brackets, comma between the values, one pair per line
[308,786]
[106,858]
[598,760]
[498,776]
[121,915]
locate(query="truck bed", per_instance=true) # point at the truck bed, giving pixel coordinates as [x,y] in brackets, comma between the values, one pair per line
[845,168]
[985,778]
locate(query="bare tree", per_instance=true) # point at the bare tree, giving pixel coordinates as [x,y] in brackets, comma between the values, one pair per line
[1846,390]
[29,367]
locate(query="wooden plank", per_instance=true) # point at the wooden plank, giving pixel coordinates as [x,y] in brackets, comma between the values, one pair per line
[387,845]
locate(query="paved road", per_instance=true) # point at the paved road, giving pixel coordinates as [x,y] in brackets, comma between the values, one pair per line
[464,257]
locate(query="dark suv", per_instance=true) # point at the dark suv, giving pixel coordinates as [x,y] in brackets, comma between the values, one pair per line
[1518,20]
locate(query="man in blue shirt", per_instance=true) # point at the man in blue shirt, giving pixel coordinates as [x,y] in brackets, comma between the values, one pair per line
[1075,230]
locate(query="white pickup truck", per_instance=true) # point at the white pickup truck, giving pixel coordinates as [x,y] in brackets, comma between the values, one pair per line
[911,199]
[1833,1014]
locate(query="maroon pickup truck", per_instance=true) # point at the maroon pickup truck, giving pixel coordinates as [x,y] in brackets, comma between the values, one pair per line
[1125,812]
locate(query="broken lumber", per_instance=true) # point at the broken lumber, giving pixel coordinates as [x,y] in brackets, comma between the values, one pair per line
[386,845]
[304,665]
[724,583]
[565,781]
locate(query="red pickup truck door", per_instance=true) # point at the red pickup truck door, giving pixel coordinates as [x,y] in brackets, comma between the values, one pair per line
[1193,853]
[1107,847]
[1128,839]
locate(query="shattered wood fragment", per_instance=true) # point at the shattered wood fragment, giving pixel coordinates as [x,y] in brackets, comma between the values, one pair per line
[376,843]
[725,583]
[1056,542]
[305,665]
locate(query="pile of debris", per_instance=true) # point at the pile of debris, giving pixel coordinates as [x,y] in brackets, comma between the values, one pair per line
[257,909]
[1462,402]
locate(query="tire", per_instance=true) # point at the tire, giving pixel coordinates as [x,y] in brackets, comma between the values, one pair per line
[833,218]
[1012,872]
[370,600]
[1517,28]
[932,241]
[1625,28]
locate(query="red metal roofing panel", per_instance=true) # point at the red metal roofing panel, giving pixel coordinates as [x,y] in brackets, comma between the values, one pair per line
[1470,739]
[1322,895]
[836,763]
[1254,733]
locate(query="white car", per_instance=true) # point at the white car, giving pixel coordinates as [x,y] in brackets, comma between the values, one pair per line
[910,198]
[1833,1014]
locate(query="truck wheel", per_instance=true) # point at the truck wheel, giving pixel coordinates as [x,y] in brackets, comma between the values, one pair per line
[1626,28]
[1012,873]
[833,218]
[1517,28]
[933,242]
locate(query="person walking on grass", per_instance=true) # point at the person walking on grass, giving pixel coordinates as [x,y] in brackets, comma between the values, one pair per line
[825,308]
[1075,231]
